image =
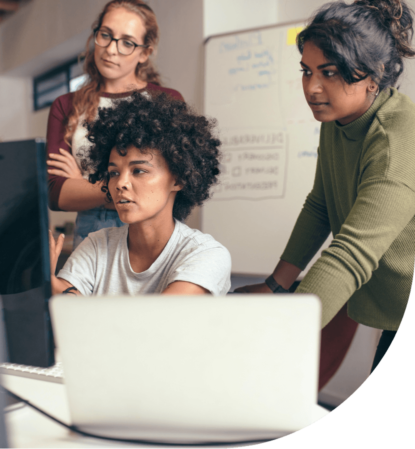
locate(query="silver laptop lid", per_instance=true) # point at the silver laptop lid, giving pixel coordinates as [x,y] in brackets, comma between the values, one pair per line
[189,368]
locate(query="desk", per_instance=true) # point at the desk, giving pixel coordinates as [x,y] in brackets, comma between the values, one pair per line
[28,428]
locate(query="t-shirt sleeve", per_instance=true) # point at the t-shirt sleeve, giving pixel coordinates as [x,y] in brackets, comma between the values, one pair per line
[58,115]
[312,227]
[209,268]
[80,268]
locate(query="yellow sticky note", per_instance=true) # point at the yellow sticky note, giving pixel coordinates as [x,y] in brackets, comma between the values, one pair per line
[292,35]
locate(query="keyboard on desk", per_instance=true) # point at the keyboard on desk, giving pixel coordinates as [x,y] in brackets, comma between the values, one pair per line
[52,374]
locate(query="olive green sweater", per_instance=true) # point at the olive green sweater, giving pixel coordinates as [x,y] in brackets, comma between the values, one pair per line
[364,193]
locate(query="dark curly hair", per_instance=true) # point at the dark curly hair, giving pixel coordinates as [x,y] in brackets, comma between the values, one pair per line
[365,38]
[184,138]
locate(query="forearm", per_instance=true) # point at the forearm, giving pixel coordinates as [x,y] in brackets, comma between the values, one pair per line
[184,288]
[286,273]
[60,285]
[79,194]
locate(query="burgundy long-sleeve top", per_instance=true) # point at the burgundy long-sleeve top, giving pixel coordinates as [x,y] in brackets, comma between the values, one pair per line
[58,116]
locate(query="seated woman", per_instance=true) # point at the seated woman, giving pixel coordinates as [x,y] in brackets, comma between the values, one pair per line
[157,160]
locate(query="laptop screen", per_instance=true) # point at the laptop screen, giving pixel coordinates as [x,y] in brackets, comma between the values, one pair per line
[24,253]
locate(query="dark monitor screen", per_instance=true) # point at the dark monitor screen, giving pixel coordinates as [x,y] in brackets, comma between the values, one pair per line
[24,253]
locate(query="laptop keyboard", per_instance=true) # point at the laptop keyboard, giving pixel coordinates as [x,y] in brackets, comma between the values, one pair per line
[52,374]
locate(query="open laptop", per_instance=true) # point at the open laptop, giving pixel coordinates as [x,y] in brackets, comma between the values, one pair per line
[190,369]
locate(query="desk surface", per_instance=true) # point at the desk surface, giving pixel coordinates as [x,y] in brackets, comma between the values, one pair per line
[28,428]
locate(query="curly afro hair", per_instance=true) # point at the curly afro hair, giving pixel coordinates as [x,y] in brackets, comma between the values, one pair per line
[183,138]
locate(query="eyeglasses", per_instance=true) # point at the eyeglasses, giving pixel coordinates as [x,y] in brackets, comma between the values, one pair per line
[124,46]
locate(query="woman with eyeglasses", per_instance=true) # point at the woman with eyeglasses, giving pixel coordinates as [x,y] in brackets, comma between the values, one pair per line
[125,35]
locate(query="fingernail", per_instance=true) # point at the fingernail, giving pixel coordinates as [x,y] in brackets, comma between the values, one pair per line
[63,235]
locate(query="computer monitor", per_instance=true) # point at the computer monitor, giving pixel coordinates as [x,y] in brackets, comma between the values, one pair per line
[3,436]
[24,253]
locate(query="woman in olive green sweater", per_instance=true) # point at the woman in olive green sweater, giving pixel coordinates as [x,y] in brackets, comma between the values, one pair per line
[364,188]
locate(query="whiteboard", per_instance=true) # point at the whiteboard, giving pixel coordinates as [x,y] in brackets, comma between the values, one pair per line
[253,87]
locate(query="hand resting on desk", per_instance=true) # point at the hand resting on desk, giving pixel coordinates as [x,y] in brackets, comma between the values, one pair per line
[285,274]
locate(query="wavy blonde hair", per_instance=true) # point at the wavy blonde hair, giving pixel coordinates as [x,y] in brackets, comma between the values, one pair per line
[86,99]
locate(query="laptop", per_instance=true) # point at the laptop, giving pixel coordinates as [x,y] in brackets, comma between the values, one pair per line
[190,369]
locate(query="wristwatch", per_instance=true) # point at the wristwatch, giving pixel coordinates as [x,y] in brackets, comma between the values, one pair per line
[274,286]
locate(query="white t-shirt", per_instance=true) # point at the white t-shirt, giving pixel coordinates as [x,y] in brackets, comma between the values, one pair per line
[100,265]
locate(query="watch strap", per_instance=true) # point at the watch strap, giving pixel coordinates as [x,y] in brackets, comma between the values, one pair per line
[274,286]
[69,291]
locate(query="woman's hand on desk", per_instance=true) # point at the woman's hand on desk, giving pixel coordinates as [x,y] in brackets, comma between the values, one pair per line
[254,288]
[64,165]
